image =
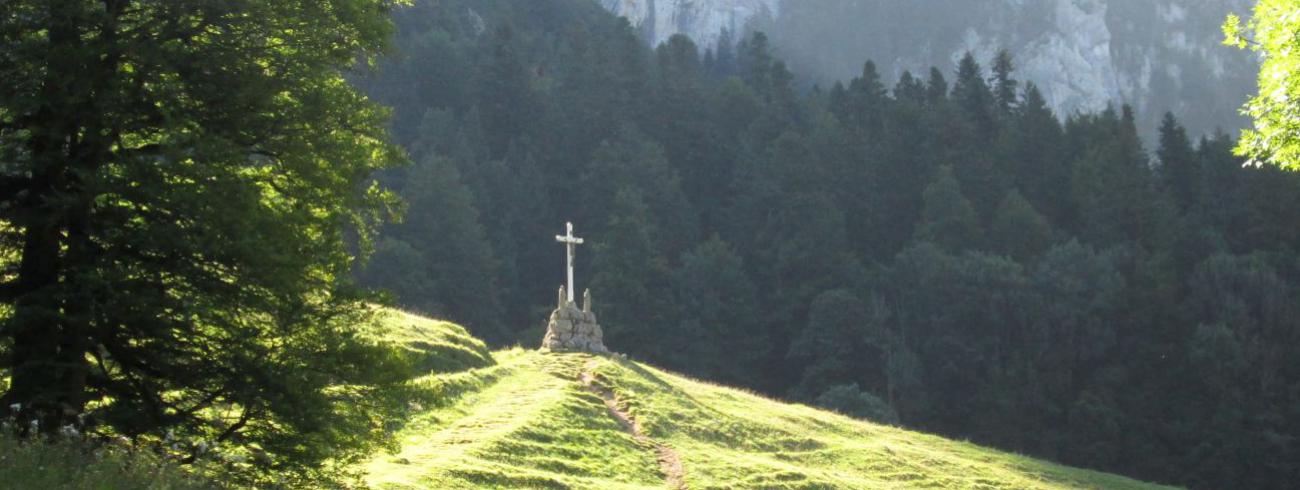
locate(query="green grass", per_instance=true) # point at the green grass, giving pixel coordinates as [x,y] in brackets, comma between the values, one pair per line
[526,421]
[71,464]
[523,419]
[432,345]
[457,362]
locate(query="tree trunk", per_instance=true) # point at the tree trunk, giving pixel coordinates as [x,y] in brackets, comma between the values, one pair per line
[46,383]
[49,327]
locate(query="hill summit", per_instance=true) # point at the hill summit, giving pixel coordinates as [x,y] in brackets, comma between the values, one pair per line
[526,419]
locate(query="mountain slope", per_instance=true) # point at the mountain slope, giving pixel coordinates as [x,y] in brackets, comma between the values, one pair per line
[542,420]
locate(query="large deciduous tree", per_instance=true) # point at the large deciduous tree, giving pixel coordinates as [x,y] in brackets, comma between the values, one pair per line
[1275,30]
[181,182]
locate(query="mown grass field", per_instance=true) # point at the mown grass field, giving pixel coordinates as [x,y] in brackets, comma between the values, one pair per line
[524,419]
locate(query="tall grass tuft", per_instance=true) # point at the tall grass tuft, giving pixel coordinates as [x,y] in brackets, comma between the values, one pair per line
[73,463]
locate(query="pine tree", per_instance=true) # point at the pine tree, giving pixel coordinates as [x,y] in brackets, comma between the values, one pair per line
[754,60]
[1179,166]
[909,88]
[1039,168]
[971,94]
[866,100]
[936,87]
[1004,87]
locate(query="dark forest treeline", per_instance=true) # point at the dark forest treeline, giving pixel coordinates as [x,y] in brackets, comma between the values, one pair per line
[940,251]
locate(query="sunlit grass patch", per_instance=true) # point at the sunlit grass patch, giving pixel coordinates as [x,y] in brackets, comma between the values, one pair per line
[527,421]
[432,345]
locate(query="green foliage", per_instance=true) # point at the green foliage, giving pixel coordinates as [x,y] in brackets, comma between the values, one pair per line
[74,464]
[1178,163]
[947,218]
[186,188]
[1004,85]
[442,262]
[1271,32]
[719,321]
[852,401]
[1018,229]
[834,344]
[632,279]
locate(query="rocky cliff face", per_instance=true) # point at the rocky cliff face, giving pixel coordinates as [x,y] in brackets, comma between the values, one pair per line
[702,20]
[1156,55]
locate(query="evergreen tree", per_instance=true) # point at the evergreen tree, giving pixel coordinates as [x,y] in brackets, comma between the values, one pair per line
[833,345]
[725,64]
[864,106]
[1080,288]
[909,88]
[1004,87]
[975,128]
[1039,168]
[754,60]
[947,218]
[631,280]
[1222,202]
[455,276]
[936,88]
[971,94]
[504,92]
[631,161]
[1178,163]
[1018,230]
[719,316]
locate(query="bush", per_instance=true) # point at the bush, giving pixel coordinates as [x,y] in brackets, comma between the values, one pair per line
[72,463]
[852,401]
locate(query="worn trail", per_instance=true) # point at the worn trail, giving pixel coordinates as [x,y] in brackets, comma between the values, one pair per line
[670,464]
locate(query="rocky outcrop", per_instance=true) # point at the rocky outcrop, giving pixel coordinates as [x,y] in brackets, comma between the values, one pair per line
[572,330]
[1155,55]
[702,20]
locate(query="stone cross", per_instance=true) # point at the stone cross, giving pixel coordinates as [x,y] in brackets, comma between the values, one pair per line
[569,241]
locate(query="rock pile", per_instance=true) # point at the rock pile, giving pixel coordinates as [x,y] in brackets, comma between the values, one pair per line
[571,329]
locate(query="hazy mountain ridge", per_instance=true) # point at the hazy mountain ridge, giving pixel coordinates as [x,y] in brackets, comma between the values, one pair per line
[1156,55]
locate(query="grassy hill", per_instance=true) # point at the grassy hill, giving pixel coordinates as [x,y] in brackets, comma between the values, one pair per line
[525,419]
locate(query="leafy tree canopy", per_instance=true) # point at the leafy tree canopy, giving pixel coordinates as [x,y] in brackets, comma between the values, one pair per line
[181,181]
[1274,32]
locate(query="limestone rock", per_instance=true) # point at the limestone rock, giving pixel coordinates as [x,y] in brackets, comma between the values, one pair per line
[571,329]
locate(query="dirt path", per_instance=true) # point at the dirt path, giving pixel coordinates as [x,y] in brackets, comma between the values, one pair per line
[669,463]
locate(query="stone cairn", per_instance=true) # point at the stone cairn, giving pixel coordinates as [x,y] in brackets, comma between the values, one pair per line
[571,329]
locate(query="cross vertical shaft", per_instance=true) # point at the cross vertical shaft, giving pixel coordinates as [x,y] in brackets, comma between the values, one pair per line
[569,242]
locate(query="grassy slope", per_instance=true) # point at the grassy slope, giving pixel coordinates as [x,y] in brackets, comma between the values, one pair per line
[522,419]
